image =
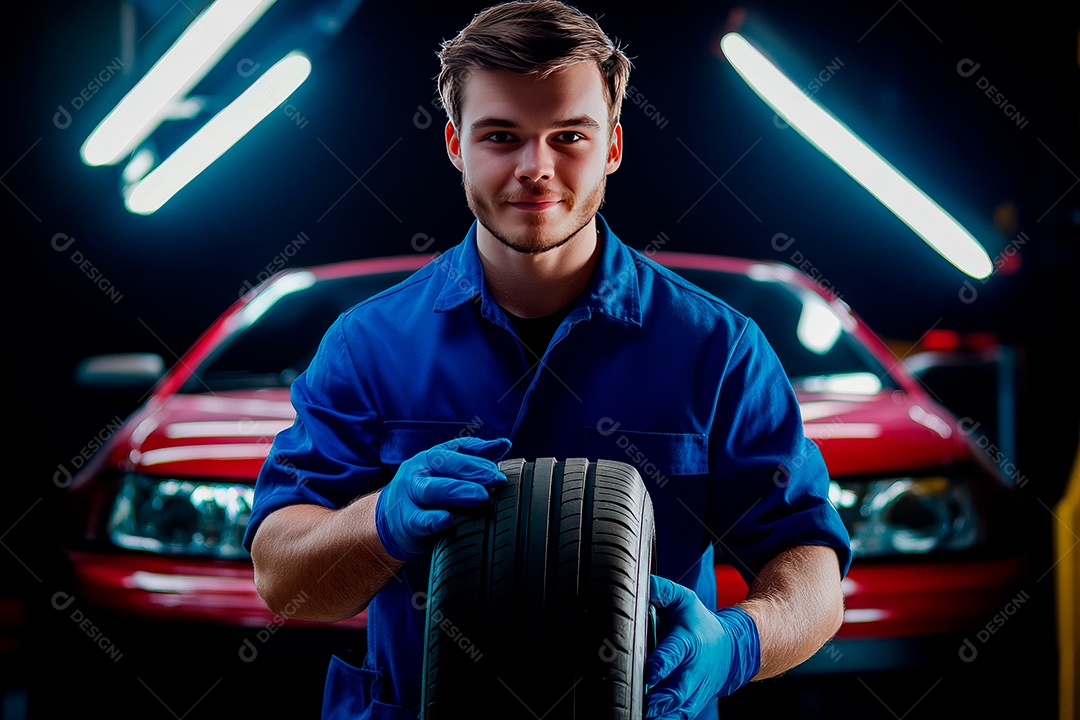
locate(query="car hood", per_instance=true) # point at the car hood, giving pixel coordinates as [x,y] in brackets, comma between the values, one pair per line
[229,434]
[885,432]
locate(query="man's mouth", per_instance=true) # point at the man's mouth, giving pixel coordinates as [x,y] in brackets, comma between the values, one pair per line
[534,205]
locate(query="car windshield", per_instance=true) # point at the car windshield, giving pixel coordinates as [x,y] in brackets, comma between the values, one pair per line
[277,343]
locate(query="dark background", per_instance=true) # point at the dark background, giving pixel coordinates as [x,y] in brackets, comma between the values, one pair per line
[358,166]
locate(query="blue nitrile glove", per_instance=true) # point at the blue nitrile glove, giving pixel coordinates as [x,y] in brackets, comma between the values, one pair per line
[414,504]
[702,654]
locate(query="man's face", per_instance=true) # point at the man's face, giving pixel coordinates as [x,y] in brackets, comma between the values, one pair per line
[534,154]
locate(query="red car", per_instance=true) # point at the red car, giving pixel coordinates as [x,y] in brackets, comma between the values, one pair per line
[162,507]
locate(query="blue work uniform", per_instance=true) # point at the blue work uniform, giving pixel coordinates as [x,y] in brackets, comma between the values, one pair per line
[645,368]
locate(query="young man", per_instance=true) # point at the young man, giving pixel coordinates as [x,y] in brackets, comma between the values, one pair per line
[552,332]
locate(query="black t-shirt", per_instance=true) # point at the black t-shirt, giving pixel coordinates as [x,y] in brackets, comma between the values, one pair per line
[535,333]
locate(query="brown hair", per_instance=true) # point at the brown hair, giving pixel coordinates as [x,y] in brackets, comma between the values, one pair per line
[531,37]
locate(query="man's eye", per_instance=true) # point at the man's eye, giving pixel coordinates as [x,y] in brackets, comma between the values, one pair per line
[570,137]
[499,137]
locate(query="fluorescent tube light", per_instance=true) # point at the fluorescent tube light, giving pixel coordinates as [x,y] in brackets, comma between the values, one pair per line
[857,159]
[219,134]
[183,65]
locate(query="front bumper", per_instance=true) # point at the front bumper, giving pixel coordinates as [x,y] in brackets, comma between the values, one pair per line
[896,614]
[910,614]
[155,588]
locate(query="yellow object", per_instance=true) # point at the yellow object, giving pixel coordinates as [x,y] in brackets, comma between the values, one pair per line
[1068,594]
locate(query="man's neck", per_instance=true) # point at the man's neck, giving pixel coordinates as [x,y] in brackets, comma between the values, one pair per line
[538,284]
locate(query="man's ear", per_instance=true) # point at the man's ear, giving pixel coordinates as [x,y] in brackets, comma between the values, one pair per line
[614,157]
[453,146]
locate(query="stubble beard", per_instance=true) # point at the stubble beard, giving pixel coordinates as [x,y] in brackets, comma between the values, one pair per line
[535,240]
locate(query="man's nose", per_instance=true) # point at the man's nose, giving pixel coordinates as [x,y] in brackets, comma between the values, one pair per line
[536,161]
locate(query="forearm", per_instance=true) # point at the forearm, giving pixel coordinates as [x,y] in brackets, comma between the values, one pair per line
[797,604]
[331,559]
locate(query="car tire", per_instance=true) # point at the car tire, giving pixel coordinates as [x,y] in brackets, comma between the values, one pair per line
[540,606]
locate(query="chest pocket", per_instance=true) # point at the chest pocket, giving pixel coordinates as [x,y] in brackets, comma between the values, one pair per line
[404,438]
[655,455]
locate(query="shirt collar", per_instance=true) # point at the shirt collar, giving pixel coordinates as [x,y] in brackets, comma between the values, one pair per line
[613,289]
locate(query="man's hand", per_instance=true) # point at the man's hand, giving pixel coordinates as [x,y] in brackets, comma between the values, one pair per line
[702,654]
[416,503]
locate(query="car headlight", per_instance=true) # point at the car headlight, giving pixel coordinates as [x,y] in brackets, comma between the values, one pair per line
[909,515]
[181,517]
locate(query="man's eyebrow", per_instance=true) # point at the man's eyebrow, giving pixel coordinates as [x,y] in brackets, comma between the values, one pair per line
[489,122]
[580,121]
[497,122]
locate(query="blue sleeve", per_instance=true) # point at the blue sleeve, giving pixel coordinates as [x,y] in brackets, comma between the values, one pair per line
[772,487]
[330,454]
